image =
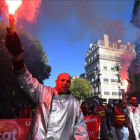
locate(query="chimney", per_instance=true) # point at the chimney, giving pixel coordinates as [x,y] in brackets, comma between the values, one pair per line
[91,45]
[106,40]
[119,41]
[128,43]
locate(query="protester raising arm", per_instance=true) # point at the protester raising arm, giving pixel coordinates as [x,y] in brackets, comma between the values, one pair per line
[30,85]
[58,114]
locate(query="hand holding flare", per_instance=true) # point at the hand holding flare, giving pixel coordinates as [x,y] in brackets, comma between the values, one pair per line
[12,41]
[13,6]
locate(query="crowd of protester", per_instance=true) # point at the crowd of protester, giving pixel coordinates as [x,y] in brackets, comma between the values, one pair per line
[104,112]
[123,116]
[111,115]
[26,111]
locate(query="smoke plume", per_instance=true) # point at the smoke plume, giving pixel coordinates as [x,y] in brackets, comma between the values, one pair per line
[29,10]
[126,59]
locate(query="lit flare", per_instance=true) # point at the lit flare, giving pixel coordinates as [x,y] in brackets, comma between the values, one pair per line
[125,85]
[13,5]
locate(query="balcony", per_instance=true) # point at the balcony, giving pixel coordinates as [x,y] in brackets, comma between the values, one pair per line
[106,80]
[109,56]
[91,61]
[95,81]
[106,93]
[99,56]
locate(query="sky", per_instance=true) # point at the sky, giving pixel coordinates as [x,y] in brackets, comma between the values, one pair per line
[66,28]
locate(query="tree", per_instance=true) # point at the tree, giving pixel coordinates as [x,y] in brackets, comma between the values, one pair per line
[35,59]
[81,88]
[135,21]
[135,18]
[134,69]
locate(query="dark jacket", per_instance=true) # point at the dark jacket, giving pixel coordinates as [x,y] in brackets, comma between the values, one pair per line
[107,113]
[85,111]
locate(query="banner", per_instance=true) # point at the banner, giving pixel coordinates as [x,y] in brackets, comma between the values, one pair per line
[93,126]
[11,129]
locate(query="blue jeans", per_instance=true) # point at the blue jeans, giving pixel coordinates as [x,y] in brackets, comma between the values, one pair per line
[122,133]
[109,127]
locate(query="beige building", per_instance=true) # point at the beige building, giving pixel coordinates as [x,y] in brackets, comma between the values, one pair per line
[101,67]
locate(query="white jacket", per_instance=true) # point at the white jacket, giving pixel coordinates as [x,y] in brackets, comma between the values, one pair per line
[64,121]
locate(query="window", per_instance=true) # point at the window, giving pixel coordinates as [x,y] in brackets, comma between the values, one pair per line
[115,46]
[111,44]
[105,66]
[105,77]
[112,66]
[114,78]
[114,90]
[97,65]
[106,90]
[93,78]
[103,53]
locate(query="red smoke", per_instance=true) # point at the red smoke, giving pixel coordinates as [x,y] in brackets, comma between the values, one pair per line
[28,10]
[126,61]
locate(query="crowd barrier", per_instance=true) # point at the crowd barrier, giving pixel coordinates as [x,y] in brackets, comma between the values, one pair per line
[11,129]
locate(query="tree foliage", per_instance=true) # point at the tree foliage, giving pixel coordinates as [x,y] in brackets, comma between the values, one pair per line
[135,18]
[134,69]
[81,88]
[35,59]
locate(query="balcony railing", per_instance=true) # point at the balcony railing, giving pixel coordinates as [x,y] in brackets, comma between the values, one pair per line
[95,81]
[101,55]
[109,56]
[106,93]
[106,80]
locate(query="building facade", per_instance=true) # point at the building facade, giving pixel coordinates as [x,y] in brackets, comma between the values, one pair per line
[102,64]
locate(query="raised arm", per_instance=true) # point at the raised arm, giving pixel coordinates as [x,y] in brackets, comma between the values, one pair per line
[30,85]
